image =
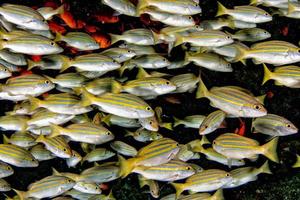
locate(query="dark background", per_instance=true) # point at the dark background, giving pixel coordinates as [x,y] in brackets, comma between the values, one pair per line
[285,181]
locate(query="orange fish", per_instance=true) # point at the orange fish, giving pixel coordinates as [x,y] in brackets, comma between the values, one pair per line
[91,28]
[68,18]
[36,58]
[242,129]
[56,28]
[285,31]
[102,40]
[104,186]
[25,72]
[80,24]
[106,19]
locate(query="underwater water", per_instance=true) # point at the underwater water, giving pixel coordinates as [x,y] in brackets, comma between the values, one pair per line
[283,184]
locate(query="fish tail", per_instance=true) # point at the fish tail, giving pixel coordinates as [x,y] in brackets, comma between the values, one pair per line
[122,69]
[167,126]
[21,194]
[291,7]
[140,6]
[187,58]
[179,187]
[142,181]
[253,2]
[66,65]
[177,122]
[202,90]
[128,133]
[297,163]
[5,139]
[97,118]
[86,98]
[106,120]
[179,40]
[269,150]
[2,44]
[204,140]
[60,9]
[114,38]
[55,172]
[116,87]
[217,195]
[267,74]
[40,138]
[261,98]
[126,166]
[142,73]
[265,168]
[241,55]
[55,130]
[34,103]
[222,10]
[156,37]
[31,64]
[58,37]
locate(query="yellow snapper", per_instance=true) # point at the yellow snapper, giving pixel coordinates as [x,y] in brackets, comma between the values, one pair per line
[218,195]
[123,148]
[153,185]
[4,72]
[98,154]
[122,6]
[13,58]
[143,135]
[49,12]
[4,186]
[134,36]
[54,62]
[85,187]
[212,122]
[5,170]
[20,139]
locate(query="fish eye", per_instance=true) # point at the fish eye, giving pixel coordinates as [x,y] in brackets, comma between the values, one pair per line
[47,82]
[52,43]
[157,135]
[188,168]
[288,125]
[129,51]
[32,159]
[214,142]
[167,82]
[115,61]
[298,50]
[190,17]
[265,32]
[257,107]
[150,122]
[177,145]
[65,149]
[69,180]
[165,60]
[8,168]
[148,108]
[266,14]
[108,133]
[228,37]
[5,69]
[96,188]
[227,174]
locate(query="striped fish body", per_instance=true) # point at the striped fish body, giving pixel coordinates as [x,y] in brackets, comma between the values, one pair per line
[79,40]
[54,62]
[40,153]
[79,195]
[158,152]
[274,52]
[84,132]
[154,61]
[274,125]
[185,82]
[210,61]
[192,121]
[13,58]
[4,186]
[4,72]
[143,135]
[5,170]
[171,171]
[211,154]
[185,153]
[31,84]
[121,121]
[212,122]
[23,16]
[21,139]
[135,36]
[251,35]
[99,86]
[17,156]
[45,130]
[153,186]
[287,75]
[11,67]
[50,186]
[45,117]
[62,103]
[206,38]
[32,45]
[205,181]
[139,49]
[150,123]
[197,196]
[100,174]
[94,62]
[123,105]
[123,148]
[149,86]
[14,123]
[13,34]
[119,54]
[68,80]
[98,154]
[90,188]
[74,160]
[122,6]
[57,145]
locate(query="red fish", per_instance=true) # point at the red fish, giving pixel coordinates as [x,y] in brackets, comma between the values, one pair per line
[106,19]
[91,28]
[104,186]
[242,129]
[36,58]
[285,31]
[102,40]
[80,24]
[56,28]
[68,18]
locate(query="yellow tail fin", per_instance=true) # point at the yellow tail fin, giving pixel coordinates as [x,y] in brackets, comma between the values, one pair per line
[297,163]
[55,130]
[106,120]
[31,64]
[222,10]
[291,8]
[179,187]
[40,138]
[202,90]
[60,9]
[58,37]
[179,40]
[253,2]
[126,166]
[264,169]
[86,98]
[267,74]
[261,99]
[115,38]
[116,87]
[177,122]
[140,6]
[128,133]
[34,103]
[168,126]
[5,139]
[269,150]
[21,194]
[218,195]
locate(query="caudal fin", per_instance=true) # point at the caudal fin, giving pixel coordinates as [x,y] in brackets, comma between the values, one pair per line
[31,64]
[222,10]
[269,150]
[179,187]
[86,98]
[264,169]
[55,130]
[21,194]
[297,163]
[34,103]
[116,87]
[126,166]
[218,195]
[177,122]
[114,38]
[202,90]
[267,74]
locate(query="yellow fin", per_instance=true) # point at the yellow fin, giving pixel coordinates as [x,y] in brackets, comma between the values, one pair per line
[269,150]
[267,74]
[142,73]
[5,139]
[31,64]
[222,10]
[202,90]
[265,168]
[55,130]
[179,187]
[126,166]
[21,194]
[116,87]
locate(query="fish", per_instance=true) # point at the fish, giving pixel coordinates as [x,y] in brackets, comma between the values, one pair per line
[211,38]
[143,135]
[123,105]
[250,14]
[152,124]
[49,186]
[99,86]
[23,16]
[62,103]
[68,80]
[188,7]
[14,123]
[122,6]
[232,101]
[4,185]
[273,125]
[49,12]
[31,84]
[296,164]
[138,49]
[20,139]
[218,195]
[123,148]
[92,62]
[212,122]
[100,174]
[210,61]
[13,58]
[245,175]
[83,132]
[192,121]
[9,66]
[74,160]
[285,75]
[171,171]
[54,62]
[185,153]
[150,155]
[251,35]
[90,188]
[40,153]
[31,45]
[153,186]
[230,51]
[135,36]
[4,72]
[216,24]
[119,54]
[271,52]
[57,145]
[185,82]
[5,170]
[234,146]
[205,181]
[98,154]
[17,156]
[79,40]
